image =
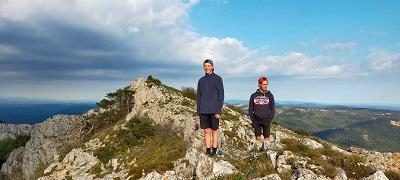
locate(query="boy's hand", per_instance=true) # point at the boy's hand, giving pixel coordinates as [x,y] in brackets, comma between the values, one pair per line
[217,116]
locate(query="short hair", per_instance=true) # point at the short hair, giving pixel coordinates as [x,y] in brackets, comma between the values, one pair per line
[262,79]
[209,61]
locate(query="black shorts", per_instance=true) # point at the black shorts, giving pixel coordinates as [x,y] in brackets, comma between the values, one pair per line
[208,121]
[263,129]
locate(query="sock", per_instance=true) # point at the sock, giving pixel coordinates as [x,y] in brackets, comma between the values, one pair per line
[208,150]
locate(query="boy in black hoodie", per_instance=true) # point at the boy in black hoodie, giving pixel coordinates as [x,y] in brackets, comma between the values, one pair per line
[262,111]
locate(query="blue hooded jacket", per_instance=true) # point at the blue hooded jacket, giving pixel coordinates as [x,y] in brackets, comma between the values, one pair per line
[210,94]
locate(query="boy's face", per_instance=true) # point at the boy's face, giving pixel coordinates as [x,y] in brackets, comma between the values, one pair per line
[263,86]
[208,68]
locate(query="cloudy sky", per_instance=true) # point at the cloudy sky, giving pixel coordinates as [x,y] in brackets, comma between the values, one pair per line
[321,51]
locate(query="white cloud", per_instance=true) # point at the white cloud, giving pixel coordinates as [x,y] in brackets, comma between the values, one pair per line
[339,45]
[380,60]
[153,31]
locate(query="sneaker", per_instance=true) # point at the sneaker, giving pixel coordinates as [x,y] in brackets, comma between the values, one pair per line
[208,151]
[214,151]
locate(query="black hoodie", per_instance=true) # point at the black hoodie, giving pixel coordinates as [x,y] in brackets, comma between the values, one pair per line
[261,107]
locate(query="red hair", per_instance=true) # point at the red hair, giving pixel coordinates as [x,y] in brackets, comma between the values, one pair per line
[262,79]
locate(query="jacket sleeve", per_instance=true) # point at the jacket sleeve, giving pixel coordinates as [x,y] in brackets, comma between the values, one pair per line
[198,92]
[251,107]
[272,107]
[220,91]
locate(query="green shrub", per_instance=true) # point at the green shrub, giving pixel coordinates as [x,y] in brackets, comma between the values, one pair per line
[136,129]
[353,165]
[158,153]
[8,145]
[140,127]
[253,167]
[236,108]
[105,103]
[189,92]
[152,81]
[104,154]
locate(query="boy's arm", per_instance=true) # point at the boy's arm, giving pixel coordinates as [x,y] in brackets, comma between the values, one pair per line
[198,96]
[272,107]
[220,89]
[251,107]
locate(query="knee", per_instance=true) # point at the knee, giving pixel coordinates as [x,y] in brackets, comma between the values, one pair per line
[207,131]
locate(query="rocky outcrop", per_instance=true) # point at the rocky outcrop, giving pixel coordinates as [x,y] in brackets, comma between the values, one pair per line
[378,175]
[11,131]
[167,107]
[47,138]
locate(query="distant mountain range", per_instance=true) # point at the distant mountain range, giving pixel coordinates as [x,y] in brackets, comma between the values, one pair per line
[346,126]
[395,107]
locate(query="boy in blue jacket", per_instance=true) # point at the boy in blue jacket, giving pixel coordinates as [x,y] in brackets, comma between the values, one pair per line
[262,111]
[210,99]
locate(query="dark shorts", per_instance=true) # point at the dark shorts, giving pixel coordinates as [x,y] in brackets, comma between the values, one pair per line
[261,129]
[208,121]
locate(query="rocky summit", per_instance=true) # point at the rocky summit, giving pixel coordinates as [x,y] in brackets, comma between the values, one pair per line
[149,130]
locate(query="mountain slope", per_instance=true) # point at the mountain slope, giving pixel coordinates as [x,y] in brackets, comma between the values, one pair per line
[150,131]
[366,128]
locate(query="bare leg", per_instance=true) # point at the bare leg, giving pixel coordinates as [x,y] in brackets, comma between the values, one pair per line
[215,138]
[207,137]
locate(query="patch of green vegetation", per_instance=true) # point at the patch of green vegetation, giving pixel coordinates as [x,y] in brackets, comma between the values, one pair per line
[300,132]
[171,89]
[122,98]
[392,175]
[189,92]
[158,153]
[228,117]
[38,171]
[117,105]
[351,164]
[137,129]
[96,169]
[104,154]
[187,103]
[8,145]
[275,123]
[151,81]
[152,147]
[286,175]
[236,108]
[235,176]
[253,167]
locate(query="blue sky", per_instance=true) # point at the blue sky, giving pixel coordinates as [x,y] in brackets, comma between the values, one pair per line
[323,51]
